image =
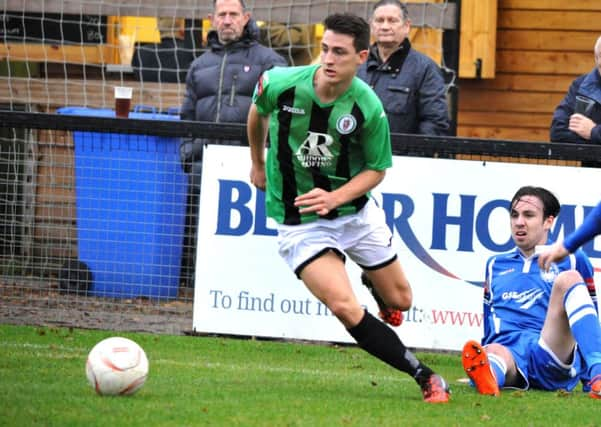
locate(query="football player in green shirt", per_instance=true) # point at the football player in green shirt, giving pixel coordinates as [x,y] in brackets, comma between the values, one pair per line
[329,146]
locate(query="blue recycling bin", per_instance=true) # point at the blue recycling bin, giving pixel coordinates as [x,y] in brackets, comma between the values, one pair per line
[131,206]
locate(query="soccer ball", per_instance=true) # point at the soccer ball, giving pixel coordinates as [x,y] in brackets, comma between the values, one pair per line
[117,366]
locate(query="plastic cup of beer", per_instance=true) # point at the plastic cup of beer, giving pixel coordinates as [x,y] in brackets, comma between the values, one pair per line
[123,101]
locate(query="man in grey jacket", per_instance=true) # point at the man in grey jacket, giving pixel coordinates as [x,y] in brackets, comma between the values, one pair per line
[409,84]
[219,88]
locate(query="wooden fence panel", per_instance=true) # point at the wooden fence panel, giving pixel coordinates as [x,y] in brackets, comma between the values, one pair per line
[542,46]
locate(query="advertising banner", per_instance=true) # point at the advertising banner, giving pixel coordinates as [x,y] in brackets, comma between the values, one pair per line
[447,216]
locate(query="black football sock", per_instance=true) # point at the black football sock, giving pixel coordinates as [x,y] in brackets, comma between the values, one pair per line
[380,341]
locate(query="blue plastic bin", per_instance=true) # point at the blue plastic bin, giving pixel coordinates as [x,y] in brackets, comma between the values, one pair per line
[131,206]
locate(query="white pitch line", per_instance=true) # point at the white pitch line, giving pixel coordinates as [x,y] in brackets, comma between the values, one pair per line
[70,352]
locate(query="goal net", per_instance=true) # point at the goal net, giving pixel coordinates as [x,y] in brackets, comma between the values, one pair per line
[67,53]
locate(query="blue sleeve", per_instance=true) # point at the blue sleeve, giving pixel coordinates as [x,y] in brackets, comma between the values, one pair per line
[587,230]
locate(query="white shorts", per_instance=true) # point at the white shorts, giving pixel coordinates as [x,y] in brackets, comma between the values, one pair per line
[363,236]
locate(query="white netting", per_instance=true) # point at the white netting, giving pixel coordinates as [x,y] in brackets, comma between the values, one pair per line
[58,53]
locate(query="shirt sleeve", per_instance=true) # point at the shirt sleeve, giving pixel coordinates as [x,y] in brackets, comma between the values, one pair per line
[587,230]
[376,142]
[261,95]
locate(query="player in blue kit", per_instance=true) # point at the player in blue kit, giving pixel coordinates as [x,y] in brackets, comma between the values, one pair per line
[541,327]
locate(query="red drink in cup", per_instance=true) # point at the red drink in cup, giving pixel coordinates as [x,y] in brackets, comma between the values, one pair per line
[122,101]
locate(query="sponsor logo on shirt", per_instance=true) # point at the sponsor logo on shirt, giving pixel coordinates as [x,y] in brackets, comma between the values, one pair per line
[293,110]
[314,152]
[525,298]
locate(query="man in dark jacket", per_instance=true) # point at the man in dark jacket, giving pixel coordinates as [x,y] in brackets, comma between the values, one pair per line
[219,88]
[578,117]
[220,82]
[409,84]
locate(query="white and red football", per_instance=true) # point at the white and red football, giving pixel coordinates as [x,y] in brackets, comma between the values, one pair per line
[117,366]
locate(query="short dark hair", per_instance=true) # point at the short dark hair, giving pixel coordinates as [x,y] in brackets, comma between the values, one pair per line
[397,3]
[551,205]
[352,25]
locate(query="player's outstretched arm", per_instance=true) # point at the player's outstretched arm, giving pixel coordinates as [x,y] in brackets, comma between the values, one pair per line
[554,253]
[590,227]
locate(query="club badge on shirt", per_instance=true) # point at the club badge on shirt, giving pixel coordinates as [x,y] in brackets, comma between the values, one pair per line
[346,124]
[550,275]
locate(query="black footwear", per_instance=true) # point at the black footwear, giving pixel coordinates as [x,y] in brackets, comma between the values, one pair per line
[390,315]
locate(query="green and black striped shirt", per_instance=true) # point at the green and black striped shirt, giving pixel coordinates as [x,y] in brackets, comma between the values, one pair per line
[313,144]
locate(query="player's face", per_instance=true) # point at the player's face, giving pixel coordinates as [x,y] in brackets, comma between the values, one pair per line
[339,59]
[229,20]
[388,26]
[528,228]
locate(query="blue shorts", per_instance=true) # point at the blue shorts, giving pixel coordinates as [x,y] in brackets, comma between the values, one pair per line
[540,368]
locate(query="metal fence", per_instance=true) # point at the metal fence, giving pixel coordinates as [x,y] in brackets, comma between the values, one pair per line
[95,214]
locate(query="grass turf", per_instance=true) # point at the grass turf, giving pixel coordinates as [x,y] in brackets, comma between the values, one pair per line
[211,381]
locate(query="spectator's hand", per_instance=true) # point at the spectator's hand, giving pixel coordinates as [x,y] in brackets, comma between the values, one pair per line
[555,252]
[317,200]
[257,177]
[581,125]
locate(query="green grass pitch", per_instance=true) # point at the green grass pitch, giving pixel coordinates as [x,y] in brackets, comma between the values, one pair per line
[216,381]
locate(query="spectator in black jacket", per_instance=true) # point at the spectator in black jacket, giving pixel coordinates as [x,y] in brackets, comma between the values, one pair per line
[219,88]
[409,83]
[578,117]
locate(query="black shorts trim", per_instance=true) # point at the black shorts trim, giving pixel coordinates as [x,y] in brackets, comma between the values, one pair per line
[300,268]
[381,265]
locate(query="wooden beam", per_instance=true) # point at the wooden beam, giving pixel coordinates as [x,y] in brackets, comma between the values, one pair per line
[54,93]
[558,40]
[560,5]
[71,54]
[507,133]
[497,101]
[533,62]
[517,82]
[496,119]
[298,12]
[477,44]
[550,20]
